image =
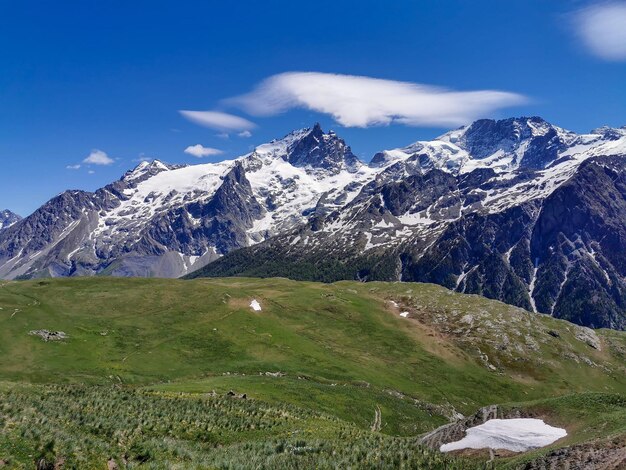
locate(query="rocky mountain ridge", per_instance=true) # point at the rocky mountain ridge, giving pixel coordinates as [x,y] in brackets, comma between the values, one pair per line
[162,220]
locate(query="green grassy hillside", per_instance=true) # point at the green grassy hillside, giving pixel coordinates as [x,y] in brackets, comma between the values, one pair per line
[341,351]
[86,427]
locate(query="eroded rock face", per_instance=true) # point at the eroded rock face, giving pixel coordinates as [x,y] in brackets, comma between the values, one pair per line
[536,141]
[325,151]
[579,240]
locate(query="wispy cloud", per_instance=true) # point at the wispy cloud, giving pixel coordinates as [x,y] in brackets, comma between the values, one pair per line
[144,158]
[245,134]
[602,29]
[357,101]
[200,151]
[217,120]
[98,157]
[73,167]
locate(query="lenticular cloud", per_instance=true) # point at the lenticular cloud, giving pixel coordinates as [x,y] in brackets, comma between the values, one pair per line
[356,101]
[218,120]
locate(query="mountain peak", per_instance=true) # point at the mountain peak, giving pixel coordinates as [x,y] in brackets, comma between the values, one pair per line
[145,170]
[317,129]
[312,147]
[529,142]
[610,133]
[322,150]
[8,218]
[486,136]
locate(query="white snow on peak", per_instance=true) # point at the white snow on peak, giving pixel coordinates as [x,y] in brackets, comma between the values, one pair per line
[163,190]
[290,193]
[516,435]
[295,190]
[448,152]
[143,168]
[287,192]
[280,147]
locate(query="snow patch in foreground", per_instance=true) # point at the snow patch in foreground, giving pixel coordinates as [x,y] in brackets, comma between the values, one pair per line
[255,305]
[404,314]
[517,435]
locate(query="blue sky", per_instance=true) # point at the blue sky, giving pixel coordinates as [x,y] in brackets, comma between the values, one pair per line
[78,76]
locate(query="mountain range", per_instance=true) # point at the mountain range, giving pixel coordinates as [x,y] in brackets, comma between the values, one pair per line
[518,210]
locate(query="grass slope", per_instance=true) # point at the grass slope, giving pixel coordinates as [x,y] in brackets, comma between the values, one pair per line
[85,427]
[341,349]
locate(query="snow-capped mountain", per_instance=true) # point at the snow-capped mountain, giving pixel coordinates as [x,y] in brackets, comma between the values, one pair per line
[162,220]
[8,218]
[519,210]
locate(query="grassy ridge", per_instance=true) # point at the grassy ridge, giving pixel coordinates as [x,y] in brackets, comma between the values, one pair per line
[340,349]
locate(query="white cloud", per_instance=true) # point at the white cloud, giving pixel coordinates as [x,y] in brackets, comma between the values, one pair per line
[245,134]
[91,172]
[73,167]
[602,28]
[356,101]
[98,157]
[200,151]
[223,135]
[218,120]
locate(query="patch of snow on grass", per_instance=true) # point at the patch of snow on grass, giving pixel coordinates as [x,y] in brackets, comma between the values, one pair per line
[516,435]
[255,305]
[404,314]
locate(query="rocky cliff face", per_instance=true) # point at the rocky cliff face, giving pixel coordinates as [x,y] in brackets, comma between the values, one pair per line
[579,246]
[325,151]
[518,210]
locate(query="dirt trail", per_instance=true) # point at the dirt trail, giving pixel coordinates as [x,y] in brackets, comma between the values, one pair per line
[377,420]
